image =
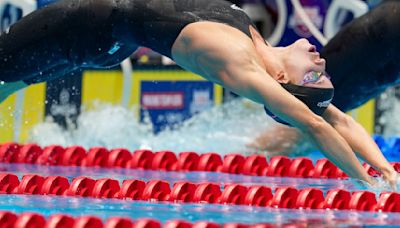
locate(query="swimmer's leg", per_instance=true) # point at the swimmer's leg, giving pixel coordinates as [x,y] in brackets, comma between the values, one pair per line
[34,45]
[8,88]
[69,34]
[33,50]
[363,58]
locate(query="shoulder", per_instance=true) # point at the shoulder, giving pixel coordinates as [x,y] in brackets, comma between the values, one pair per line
[216,39]
[212,48]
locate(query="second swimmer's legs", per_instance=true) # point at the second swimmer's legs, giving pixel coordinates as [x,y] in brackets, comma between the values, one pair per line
[35,45]
[62,37]
[363,59]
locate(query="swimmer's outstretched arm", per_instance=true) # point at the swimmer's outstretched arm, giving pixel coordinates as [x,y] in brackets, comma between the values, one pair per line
[361,142]
[263,89]
[232,61]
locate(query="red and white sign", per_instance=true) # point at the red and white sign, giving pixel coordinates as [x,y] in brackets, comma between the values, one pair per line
[162,100]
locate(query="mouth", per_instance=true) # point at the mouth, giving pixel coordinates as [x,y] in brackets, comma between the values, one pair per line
[312,48]
[313,51]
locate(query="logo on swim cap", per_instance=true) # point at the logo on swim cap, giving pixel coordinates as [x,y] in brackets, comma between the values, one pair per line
[235,7]
[324,104]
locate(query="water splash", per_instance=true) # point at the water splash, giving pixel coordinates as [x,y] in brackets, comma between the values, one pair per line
[224,129]
[389,105]
[382,186]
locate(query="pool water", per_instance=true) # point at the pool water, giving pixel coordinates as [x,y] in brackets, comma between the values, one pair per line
[112,127]
[194,177]
[106,208]
[162,211]
[234,123]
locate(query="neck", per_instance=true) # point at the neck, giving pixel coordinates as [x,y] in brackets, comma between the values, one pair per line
[270,57]
[275,57]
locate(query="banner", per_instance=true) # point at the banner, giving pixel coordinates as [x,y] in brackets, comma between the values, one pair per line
[169,103]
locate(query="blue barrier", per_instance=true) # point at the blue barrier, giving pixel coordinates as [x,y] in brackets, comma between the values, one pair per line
[390,147]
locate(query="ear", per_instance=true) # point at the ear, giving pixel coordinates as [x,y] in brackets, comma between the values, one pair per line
[282,77]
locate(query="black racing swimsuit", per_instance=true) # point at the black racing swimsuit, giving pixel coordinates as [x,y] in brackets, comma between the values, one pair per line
[72,34]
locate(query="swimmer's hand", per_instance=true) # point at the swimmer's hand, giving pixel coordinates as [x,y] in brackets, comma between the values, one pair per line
[391,177]
[387,182]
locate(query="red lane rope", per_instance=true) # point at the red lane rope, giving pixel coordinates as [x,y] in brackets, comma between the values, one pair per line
[187,192]
[253,165]
[35,220]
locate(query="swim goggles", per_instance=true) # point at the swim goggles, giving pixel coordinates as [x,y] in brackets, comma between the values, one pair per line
[312,77]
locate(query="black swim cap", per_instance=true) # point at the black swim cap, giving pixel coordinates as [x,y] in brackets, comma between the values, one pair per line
[316,99]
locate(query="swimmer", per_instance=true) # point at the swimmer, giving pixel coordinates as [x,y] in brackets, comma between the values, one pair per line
[363,60]
[214,39]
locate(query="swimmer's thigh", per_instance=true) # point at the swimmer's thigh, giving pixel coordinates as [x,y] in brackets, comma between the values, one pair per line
[363,58]
[35,44]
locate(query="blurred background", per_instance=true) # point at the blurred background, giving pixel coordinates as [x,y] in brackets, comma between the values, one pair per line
[150,102]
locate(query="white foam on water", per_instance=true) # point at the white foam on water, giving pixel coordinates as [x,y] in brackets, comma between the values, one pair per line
[382,186]
[390,119]
[223,129]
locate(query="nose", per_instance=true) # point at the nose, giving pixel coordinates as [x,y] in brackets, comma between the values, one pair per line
[305,44]
[303,41]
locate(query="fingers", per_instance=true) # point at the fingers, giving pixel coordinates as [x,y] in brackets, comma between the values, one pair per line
[392,179]
[394,182]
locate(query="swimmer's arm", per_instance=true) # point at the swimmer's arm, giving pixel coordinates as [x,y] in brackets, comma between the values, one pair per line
[358,138]
[248,79]
[226,56]
[260,87]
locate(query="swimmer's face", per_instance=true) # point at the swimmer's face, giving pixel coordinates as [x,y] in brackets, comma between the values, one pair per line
[301,60]
[292,63]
